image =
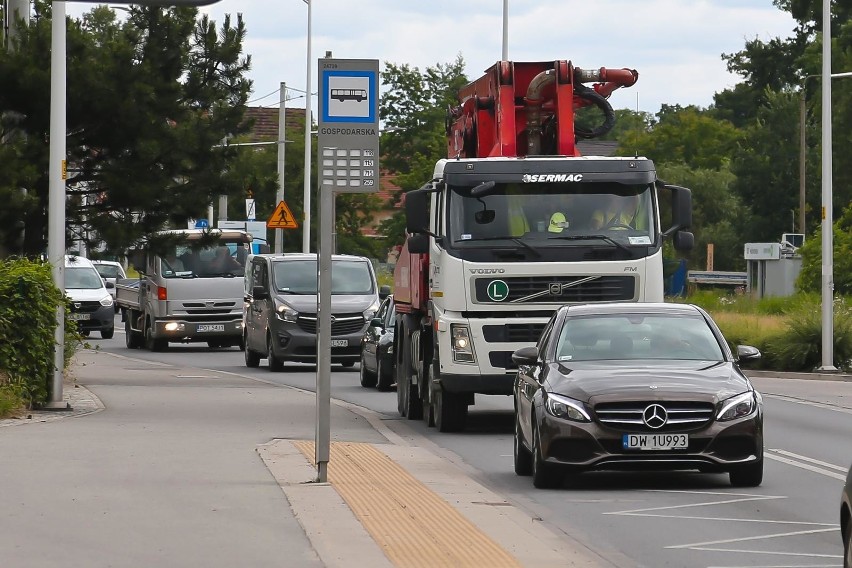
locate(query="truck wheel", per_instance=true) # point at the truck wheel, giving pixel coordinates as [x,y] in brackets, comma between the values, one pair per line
[151,343]
[426,398]
[132,339]
[275,364]
[415,407]
[450,411]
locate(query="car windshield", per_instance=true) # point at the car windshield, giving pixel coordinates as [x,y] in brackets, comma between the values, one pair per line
[637,336]
[82,278]
[108,270]
[300,277]
[552,215]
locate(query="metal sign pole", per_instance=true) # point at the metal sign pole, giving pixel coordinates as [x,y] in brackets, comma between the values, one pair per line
[322,443]
[348,162]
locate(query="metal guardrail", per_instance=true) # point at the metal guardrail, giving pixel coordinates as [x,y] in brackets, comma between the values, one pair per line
[717,278]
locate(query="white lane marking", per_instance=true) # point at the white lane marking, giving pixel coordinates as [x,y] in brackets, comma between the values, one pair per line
[635,512]
[765,521]
[811,460]
[822,405]
[806,466]
[699,545]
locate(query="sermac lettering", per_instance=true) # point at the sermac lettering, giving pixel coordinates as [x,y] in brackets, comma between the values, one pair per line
[551,178]
[349,131]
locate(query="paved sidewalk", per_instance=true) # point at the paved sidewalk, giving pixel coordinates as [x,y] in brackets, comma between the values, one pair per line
[170,466]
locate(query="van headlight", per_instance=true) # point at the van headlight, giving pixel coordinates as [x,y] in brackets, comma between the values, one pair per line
[107,301]
[370,312]
[737,407]
[285,312]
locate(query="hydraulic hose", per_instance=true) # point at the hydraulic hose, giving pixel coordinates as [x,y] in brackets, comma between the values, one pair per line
[599,101]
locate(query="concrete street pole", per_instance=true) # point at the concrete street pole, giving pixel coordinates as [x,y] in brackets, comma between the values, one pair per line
[56,192]
[17,18]
[306,228]
[827,199]
[279,195]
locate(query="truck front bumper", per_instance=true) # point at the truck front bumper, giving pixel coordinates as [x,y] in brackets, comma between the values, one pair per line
[190,331]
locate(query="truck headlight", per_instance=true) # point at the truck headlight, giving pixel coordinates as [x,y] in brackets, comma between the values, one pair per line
[107,301]
[462,347]
[737,407]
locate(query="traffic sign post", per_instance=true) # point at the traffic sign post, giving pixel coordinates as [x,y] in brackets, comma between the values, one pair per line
[348,162]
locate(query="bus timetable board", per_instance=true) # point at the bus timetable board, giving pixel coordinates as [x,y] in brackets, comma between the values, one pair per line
[348,125]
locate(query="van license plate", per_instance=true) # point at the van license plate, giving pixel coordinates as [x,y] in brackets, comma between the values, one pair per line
[210,327]
[80,317]
[340,343]
[655,441]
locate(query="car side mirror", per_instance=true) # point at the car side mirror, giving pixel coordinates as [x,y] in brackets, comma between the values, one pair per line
[110,285]
[747,353]
[525,356]
[259,293]
[384,291]
[377,322]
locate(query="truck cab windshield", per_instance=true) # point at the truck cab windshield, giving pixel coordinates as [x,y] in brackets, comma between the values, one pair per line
[224,259]
[553,215]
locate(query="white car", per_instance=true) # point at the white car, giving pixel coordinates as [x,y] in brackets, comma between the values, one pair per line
[91,302]
[110,271]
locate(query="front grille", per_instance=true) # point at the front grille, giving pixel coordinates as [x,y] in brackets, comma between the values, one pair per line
[513,332]
[343,324]
[562,289]
[85,307]
[683,416]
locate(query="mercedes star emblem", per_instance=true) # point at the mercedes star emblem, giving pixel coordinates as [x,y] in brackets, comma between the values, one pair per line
[654,416]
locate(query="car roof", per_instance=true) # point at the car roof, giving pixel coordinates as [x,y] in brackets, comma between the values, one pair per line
[74,261]
[114,263]
[665,308]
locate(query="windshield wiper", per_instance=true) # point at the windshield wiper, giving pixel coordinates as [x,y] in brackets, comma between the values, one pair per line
[506,238]
[596,237]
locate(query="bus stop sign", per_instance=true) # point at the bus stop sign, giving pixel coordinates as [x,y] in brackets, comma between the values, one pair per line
[348,123]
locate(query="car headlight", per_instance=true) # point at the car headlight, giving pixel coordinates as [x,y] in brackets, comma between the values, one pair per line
[461,344]
[738,406]
[566,408]
[370,312]
[285,312]
[107,301]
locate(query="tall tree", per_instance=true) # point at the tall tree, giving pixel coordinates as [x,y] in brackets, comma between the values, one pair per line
[413,112]
[149,100]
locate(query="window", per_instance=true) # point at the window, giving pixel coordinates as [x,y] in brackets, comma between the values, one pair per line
[82,278]
[300,277]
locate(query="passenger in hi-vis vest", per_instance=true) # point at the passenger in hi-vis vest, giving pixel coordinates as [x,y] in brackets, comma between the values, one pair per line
[621,212]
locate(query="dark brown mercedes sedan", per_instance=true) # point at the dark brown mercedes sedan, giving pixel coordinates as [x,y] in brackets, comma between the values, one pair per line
[635,386]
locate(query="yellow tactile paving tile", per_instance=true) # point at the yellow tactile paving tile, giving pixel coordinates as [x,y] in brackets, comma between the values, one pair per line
[414,527]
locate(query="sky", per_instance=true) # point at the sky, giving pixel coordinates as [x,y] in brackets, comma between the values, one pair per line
[675,45]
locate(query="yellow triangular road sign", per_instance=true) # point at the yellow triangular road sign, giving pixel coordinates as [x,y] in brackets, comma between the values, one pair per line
[282,218]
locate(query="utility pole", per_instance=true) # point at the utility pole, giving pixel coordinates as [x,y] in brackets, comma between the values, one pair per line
[17,15]
[279,197]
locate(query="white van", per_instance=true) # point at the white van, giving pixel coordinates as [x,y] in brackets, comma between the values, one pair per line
[91,303]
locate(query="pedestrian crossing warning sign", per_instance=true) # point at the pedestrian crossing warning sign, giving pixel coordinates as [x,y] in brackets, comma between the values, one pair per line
[282,218]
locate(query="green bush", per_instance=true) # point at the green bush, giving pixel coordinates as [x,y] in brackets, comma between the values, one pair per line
[799,348]
[28,302]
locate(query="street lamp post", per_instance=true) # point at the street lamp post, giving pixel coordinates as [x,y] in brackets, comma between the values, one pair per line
[57,171]
[827,198]
[306,230]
